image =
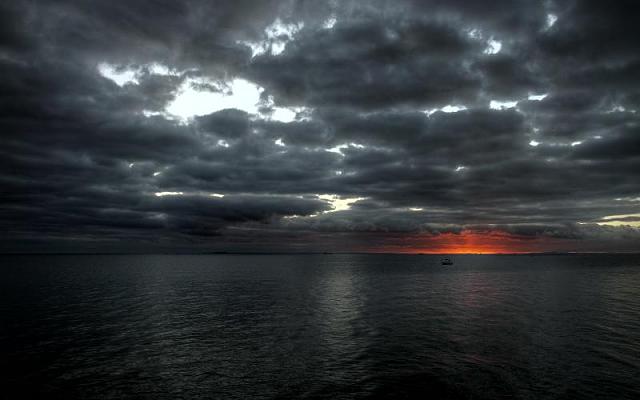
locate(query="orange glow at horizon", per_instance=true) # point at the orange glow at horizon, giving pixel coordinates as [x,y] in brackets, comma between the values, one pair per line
[472,242]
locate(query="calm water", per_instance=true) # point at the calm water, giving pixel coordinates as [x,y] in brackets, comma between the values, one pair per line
[320,326]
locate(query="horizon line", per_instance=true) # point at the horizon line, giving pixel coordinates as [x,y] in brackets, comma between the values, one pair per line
[324,253]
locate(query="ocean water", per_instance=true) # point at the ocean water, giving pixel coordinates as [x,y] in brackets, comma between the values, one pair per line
[320,326]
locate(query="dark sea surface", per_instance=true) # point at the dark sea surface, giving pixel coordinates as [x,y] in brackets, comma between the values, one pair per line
[320,326]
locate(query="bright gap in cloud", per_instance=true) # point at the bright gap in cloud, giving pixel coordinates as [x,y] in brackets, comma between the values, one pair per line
[161,194]
[535,143]
[551,20]
[278,47]
[160,69]
[493,47]
[192,101]
[200,96]
[276,37]
[475,33]
[537,97]
[609,217]
[620,220]
[460,168]
[330,23]
[416,209]
[338,149]
[339,204]
[279,29]
[149,113]
[120,75]
[620,109]
[449,108]
[283,114]
[123,75]
[502,105]
[628,199]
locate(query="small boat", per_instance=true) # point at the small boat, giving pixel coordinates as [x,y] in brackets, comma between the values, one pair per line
[446,261]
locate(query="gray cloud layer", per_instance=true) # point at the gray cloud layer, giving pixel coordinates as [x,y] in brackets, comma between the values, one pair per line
[82,157]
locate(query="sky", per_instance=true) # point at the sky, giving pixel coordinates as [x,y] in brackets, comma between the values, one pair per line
[381,126]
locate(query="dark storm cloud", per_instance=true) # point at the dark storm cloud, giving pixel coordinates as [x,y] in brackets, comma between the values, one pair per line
[510,76]
[401,107]
[400,62]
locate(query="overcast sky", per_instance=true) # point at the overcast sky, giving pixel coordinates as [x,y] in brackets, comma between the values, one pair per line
[319,126]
